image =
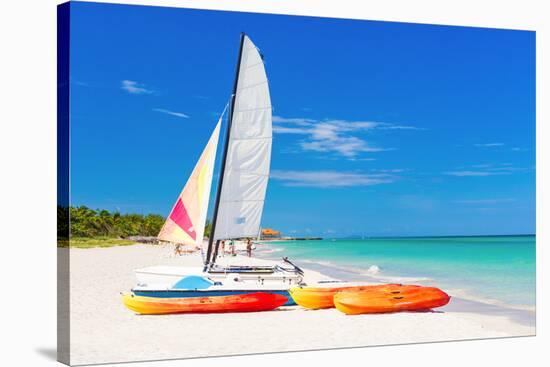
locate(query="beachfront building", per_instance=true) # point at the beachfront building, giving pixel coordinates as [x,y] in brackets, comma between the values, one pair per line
[269,234]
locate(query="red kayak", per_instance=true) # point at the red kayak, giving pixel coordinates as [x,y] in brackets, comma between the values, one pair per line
[251,302]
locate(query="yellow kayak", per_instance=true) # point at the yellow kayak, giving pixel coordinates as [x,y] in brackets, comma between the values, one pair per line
[317,298]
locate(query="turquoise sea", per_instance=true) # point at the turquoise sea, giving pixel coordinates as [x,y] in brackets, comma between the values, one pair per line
[497,269]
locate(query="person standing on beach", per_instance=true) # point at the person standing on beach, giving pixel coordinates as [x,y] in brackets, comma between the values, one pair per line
[232,247]
[223,248]
[249,248]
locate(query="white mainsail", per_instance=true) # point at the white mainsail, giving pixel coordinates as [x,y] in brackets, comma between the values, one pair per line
[249,151]
[185,224]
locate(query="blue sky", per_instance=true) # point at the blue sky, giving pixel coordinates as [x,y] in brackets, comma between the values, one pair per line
[381,129]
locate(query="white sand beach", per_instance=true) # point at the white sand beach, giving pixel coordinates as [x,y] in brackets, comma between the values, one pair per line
[103,330]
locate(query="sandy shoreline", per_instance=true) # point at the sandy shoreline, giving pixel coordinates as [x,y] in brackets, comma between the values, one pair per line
[103,330]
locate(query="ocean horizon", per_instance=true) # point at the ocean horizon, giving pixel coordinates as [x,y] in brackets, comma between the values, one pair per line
[359,237]
[496,269]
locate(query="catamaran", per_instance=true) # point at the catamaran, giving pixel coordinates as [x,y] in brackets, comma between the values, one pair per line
[239,200]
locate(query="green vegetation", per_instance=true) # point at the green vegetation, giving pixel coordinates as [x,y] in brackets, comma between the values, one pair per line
[102,228]
[207,229]
[86,222]
[85,242]
[62,222]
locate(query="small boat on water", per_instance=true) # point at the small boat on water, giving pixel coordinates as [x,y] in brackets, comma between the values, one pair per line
[240,197]
[252,302]
[414,298]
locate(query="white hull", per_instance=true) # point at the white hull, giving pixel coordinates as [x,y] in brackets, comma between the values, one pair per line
[222,286]
[164,277]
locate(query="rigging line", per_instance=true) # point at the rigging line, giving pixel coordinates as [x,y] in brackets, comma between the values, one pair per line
[258,138]
[249,173]
[226,106]
[258,121]
[242,201]
[254,109]
[254,65]
[252,85]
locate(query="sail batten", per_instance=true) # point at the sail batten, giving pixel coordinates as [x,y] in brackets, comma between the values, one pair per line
[247,162]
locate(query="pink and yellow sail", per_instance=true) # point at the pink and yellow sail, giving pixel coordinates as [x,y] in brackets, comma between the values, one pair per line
[185,223]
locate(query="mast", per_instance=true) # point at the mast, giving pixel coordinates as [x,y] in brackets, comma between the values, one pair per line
[224,159]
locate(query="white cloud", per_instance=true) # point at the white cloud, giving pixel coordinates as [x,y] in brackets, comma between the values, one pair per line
[362,159]
[172,113]
[476,173]
[297,121]
[289,130]
[486,170]
[506,169]
[485,201]
[347,146]
[330,178]
[134,87]
[334,135]
[385,126]
[80,83]
[489,145]
[391,170]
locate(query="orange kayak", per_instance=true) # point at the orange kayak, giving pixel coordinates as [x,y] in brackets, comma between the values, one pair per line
[318,298]
[411,299]
[251,302]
